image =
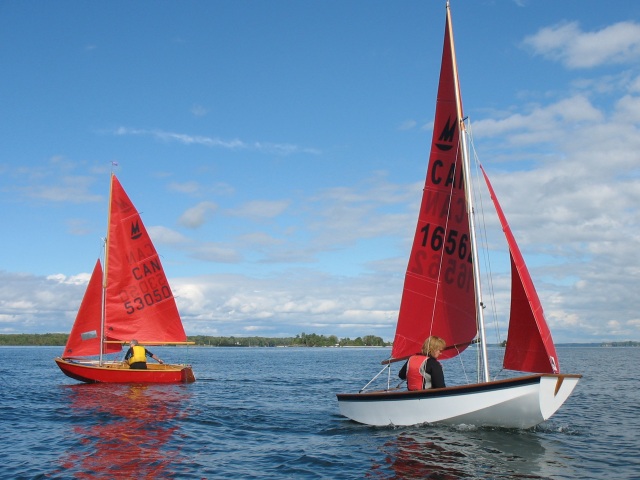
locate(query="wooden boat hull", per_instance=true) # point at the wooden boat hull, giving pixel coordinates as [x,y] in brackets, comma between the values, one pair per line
[118,372]
[521,402]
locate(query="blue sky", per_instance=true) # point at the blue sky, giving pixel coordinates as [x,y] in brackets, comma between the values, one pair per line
[277,152]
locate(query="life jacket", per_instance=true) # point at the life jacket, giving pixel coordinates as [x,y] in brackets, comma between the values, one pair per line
[139,355]
[415,380]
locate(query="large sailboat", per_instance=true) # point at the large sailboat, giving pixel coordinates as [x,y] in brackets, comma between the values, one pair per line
[442,296]
[130,299]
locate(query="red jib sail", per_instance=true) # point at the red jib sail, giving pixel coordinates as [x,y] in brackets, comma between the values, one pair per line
[139,302]
[84,339]
[530,347]
[439,294]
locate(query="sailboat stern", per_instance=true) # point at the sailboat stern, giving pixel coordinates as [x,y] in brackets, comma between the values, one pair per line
[187,374]
[554,391]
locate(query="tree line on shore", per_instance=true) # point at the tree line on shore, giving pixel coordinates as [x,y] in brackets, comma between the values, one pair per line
[301,340]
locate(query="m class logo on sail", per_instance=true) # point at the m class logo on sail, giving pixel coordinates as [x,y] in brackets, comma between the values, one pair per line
[447,136]
[136,233]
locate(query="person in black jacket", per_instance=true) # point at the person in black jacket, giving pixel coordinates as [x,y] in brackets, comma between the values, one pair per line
[423,370]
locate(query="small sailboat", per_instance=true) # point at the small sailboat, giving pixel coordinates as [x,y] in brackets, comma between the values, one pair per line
[130,299]
[442,296]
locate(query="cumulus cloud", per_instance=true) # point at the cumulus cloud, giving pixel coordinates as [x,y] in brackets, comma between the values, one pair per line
[166,236]
[197,215]
[568,44]
[185,187]
[32,303]
[215,252]
[287,303]
[260,209]
[71,189]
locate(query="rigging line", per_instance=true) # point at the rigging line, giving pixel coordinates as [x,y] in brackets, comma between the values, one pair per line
[499,372]
[475,253]
[488,276]
[464,370]
[378,374]
[486,256]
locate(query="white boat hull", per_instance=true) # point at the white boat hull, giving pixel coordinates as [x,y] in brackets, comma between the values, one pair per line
[521,402]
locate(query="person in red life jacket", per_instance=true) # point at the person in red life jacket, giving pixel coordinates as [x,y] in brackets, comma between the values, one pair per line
[137,355]
[423,370]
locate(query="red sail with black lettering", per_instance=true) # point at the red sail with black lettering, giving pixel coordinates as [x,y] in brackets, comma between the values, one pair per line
[439,294]
[84,339]
[530,347]
[139,302]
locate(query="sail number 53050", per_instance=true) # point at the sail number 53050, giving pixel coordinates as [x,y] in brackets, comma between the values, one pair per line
[148,299]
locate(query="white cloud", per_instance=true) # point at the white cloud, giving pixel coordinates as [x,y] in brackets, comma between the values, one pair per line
[569,45]
[289,302]
[540,123]
[408,125]
[166,236]
[79,279]
[215,142]
[260,209]
[215,252]
[185,187]
[197,215]
[71,189]
[199,111]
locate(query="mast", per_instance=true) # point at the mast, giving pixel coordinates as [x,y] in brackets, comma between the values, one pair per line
[103,309]
[466,173]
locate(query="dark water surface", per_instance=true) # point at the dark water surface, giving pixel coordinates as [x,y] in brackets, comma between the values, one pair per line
[272,413]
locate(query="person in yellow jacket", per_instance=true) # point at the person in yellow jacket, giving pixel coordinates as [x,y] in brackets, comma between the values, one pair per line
[137,355]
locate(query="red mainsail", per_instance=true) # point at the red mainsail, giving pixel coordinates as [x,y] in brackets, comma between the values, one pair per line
[139,301]
[438,297]
[530,347]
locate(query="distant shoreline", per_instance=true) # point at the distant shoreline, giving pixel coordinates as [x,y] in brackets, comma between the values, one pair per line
[302,340]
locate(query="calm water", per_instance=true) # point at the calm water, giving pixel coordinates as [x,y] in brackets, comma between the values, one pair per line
[272,413]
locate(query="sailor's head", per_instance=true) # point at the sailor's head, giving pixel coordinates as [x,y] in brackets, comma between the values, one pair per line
[133,342]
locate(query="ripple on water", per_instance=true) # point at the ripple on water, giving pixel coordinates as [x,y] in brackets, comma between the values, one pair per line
[272,413]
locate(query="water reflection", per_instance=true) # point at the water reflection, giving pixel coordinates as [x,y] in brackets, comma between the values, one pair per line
[123,430]
[451,453]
